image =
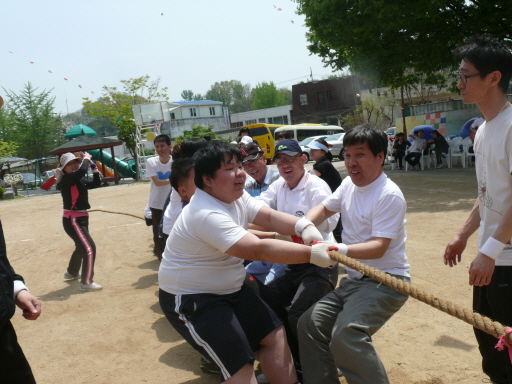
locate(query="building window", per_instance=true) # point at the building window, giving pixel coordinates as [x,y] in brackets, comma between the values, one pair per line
[212,111]
[321,97]
[253,121]
[303,99]
[261,120]
[238,124]
[172,116]
[193,112]
[333,95]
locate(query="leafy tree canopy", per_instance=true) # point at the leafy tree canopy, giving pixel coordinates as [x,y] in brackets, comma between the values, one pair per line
[30,122]
[197,132]
[188,95]
[233,94]
[394,42]
[266,95]
[116,105]
[7,149]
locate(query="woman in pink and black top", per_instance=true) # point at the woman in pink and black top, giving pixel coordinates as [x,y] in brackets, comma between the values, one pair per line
[73,187]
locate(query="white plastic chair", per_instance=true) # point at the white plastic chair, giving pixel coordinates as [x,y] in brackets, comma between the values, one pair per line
[455,151]
[466,143]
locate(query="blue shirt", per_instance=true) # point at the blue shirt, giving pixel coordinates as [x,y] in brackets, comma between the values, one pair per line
[255,189]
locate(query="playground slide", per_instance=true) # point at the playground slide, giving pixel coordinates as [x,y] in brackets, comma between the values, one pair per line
[127,170]
[108,172]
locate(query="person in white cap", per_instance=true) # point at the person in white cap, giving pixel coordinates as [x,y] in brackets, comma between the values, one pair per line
[73,187]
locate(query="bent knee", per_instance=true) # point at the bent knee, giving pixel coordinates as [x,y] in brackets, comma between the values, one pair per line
[278,335]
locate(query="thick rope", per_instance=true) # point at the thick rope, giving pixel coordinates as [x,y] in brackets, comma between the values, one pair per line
[117,213]
[476,320]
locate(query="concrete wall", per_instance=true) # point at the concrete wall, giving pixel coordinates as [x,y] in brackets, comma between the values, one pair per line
[260,114]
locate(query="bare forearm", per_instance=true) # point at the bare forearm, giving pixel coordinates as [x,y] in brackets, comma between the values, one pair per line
[472,223]
[318,214]
[504,231]
[275,221]
[373,249]
[282,252]
[159,182]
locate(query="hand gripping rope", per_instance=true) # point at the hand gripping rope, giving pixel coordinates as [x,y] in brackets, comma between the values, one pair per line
[503,333]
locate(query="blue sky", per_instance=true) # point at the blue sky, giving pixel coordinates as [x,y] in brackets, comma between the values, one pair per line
[194,44]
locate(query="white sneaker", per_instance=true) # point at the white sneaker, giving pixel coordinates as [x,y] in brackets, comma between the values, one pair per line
[90,287]
[439,166]
[262,379]
[69,276]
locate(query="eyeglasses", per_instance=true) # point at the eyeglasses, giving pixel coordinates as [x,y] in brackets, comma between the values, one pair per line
[287,159]
[249,162]
[464,78]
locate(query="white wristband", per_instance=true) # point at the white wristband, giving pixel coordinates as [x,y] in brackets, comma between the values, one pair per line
[343,249]
[492,248]
[301,224]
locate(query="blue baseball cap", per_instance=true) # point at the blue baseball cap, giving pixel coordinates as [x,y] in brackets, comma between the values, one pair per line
[289,147]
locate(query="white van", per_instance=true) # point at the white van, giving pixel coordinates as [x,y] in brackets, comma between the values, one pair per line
[302,131]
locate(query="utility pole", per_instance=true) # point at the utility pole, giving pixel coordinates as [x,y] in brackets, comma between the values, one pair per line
[403,110]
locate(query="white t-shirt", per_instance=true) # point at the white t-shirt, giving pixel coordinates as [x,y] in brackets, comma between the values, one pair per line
[172,211]
[375,210]
[309,193]
[417,144]
[158,194]
[493,158]
[194,260]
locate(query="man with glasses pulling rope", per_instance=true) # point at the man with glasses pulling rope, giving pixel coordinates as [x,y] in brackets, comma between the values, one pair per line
[485,72]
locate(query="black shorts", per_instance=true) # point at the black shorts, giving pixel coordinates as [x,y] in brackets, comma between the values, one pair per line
[224,328]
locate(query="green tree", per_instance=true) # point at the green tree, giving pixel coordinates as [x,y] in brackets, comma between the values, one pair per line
[393,42]
[7,149]
[197,132]
[188,95]
[100,124]
[287,95]
[233,94]
[266,95]
[36,128]
[375,110]
[116,105]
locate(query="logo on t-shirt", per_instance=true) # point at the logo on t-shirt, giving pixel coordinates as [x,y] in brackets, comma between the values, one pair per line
[163,176]
[299,214]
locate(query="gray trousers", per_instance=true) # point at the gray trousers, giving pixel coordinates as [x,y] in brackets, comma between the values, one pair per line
[337,332]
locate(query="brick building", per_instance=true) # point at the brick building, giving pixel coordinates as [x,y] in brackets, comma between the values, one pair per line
[323,101]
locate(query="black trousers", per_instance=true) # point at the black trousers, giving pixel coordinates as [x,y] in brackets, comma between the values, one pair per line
[85,250]
[156,217]
[14,367]
[399,155]
[495,301]
[413,158]
[294,293]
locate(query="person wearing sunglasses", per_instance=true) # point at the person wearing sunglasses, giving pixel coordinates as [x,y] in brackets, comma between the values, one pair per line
[255,165]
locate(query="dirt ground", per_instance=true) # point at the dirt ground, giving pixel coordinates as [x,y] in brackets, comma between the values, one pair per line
[119,335]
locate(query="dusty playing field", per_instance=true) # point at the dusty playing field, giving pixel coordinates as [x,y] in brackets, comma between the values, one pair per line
[119,335]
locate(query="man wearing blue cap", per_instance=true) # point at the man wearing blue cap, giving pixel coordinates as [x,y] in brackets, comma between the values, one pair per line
[302,285]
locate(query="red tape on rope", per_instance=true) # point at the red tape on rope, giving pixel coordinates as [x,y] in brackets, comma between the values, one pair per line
[502,343]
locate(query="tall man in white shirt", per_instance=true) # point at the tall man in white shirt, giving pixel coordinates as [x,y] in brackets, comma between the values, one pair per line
[158,169]
[201,276]
[302,285]
[485,72]
[337,331]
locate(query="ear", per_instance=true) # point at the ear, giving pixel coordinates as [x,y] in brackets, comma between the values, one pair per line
[495,78]
[182,191]
[303,158]
[207,180]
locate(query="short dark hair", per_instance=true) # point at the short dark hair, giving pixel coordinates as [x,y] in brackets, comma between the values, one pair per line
[163,138]
[187,148]
[364,133]
[210,159]
[420,130]
[284,135]
[487,54]
[180,171]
